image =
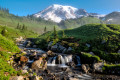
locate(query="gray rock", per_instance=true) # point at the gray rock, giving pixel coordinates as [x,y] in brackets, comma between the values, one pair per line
[118,51]
[85,68]
[39,64]
[88,45]
[98,66]
[92,53]
[103,42]
[69,49]
[61,48]
[50,44]
[54,47]
[64,50]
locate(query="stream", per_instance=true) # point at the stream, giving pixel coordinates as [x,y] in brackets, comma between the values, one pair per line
[57,65]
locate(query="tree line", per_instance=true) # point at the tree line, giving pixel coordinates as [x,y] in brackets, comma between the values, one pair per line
[21,27]
[4,9]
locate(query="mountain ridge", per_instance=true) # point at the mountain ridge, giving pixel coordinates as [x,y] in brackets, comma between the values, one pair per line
[57,13]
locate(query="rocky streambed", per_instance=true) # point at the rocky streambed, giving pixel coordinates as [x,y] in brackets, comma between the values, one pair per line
[37,64]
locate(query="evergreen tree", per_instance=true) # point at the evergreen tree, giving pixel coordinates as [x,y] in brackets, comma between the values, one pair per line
[45,29]
[55,33]
[63,34]
[18,26]
[23,27]
[4,32]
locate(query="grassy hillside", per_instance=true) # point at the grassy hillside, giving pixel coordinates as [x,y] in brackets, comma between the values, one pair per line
[13,33]
[36,25]
[74,23]
[7,49]
[104,40]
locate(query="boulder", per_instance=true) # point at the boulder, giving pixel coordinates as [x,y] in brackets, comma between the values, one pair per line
[39,64]
[69,49]
[19,39]
[65,50]
[24,71]
[54,48]
[118,51]
[50,44]
[44,55]
[23,59]
[88,45]
[28,43]
[17,78]
[61,48]
[92,53]
[98,66]
[34,46]
[85,68]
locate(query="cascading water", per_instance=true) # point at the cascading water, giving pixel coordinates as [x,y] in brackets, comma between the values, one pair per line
[62,60]
[78,61]
[54,59]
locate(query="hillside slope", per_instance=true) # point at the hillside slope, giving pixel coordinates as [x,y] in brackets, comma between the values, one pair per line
[74,23]
[36,25]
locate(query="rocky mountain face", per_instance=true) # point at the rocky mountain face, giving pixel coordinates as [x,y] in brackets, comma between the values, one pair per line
[57,13]
[112,18]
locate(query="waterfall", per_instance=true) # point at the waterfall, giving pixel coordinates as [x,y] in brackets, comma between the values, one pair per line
[54,59]
[66,59]
[50,60]
[69,58]
[62,60]
[78,60]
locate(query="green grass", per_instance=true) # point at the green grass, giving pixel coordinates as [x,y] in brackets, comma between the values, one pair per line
[104,39]
[74,23]
[5,67]
[8,45]
[14,33]
[36,25]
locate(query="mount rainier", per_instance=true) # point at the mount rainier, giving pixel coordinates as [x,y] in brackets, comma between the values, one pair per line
[57,13]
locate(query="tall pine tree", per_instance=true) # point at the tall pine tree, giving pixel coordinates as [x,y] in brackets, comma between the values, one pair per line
[45,29]
[55,33]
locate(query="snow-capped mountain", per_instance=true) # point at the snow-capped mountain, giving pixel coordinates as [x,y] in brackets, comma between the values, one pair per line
[57,13]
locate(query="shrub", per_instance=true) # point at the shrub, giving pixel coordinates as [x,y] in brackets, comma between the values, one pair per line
[88,58]
[111,69]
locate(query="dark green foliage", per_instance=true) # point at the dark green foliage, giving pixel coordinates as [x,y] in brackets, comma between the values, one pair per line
[111,69]
[45,29]
[55,33]
[4,32]
[41,43]
[87,58]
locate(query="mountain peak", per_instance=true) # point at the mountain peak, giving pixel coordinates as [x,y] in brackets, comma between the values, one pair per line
[57,13]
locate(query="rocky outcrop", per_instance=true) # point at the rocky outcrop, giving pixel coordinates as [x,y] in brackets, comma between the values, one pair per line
[39,64]
[58,48]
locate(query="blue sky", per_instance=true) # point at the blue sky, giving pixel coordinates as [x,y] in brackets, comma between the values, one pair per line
[24,7]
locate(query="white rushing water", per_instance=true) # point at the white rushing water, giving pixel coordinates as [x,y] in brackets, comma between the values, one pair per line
[64,59]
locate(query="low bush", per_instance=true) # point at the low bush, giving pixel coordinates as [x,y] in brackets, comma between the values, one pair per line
[87,58]
[111,69]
